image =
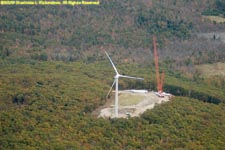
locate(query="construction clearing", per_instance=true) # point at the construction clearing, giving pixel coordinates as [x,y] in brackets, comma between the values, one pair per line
[131,104]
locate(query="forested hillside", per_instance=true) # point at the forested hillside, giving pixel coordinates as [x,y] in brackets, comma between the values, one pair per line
[54,73]
[71,33]
[49,105]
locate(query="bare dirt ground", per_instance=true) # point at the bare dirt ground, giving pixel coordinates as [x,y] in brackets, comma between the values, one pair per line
[130,104]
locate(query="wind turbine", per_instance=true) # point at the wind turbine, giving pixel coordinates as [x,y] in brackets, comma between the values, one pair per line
[116,77]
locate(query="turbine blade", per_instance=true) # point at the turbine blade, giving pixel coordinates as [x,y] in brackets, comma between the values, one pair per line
[123,76]
[111,62]
[111,88]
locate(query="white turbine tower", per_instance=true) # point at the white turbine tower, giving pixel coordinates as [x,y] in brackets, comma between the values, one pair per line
[116,77]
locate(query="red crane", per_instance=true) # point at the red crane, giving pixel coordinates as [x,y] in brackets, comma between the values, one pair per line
[159,78]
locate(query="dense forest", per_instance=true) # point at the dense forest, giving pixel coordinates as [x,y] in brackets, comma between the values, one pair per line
[54,74]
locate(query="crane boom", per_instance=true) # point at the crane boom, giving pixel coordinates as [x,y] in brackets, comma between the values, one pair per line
[159,78]
[156,63]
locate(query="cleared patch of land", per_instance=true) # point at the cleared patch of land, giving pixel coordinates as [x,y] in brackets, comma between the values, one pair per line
[207,70]
[213,36]
[130,104]
[216,19]
[127,98]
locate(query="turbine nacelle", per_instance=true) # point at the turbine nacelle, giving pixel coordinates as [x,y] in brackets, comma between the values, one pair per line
[117,76]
